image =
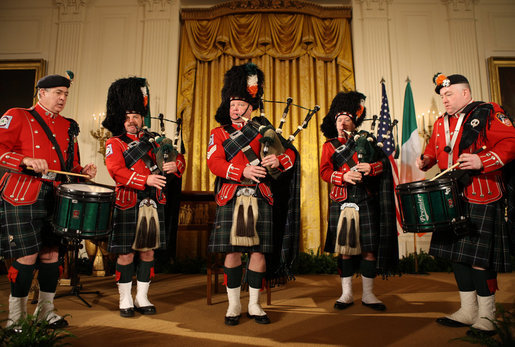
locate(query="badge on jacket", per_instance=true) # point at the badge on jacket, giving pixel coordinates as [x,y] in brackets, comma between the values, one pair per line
[109,150]
[5,121]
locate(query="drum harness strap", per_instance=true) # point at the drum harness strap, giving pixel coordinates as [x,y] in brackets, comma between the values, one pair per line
[54,142]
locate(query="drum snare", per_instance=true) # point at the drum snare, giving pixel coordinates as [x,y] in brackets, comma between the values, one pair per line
[84,211]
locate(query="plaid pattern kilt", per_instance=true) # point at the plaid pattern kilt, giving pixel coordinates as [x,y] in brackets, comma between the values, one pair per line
[486,246]
[25,230]
[219,239]
[368,225]
[124,228]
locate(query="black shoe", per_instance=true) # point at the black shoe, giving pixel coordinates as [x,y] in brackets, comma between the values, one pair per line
[59,324]
[259,319]
[451,322]
[235,320]
[338,305]
[127,312]
[473,332]
[378,306]
[147,310]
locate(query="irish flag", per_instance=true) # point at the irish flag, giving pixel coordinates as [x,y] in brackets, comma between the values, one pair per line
[410,149]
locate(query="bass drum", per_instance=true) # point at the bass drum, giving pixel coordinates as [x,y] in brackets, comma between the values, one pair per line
[84,211]
[428,206]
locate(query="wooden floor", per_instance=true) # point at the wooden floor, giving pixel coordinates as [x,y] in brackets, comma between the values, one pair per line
[302,314]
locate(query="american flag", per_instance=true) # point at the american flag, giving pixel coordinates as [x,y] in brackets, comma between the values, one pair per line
[388,145]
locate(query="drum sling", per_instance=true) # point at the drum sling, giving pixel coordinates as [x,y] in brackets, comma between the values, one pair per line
[57,148]
[246,212]
[147,225]
[347,230]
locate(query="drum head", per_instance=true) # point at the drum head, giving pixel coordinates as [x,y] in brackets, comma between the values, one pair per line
[85,189]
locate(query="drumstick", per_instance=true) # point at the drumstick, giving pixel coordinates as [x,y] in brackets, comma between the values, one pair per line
[455,165]
[63,172]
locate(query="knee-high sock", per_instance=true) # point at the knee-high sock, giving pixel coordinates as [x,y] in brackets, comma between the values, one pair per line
[20,276]
[485,281]
[463,276]
[233,276]
[345,267]
[124,273]
[145,271]
[48,276]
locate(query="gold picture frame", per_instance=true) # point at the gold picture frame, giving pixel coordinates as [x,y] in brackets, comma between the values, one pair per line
[18,79]
[502,82]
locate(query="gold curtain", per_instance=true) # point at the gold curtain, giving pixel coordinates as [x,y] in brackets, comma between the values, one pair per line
[302,56]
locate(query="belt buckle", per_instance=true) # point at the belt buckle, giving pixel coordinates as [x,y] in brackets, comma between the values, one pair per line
[246,191]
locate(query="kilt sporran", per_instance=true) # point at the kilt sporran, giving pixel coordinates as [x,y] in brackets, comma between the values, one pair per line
[147,227]
[245,216]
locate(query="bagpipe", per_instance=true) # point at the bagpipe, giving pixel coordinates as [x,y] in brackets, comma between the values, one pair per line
[367,144]
[165,149]
[272,141]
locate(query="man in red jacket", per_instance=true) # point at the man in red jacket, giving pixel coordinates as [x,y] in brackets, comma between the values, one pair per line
[484,251]
[362,200]
[27,193]
[244,198]
[130,160]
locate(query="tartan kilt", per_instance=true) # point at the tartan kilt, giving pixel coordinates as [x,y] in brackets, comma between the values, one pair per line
[487,245]
[368,225]
[25,230]
[124,228]
[219,239]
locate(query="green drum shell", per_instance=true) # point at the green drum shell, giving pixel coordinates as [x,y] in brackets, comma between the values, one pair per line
[428,206]
[82,213]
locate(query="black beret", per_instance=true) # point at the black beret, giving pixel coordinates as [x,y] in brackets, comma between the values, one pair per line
[52,81]
[440,80]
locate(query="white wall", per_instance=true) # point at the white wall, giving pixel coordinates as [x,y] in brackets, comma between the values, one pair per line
[397,39]
[102,40]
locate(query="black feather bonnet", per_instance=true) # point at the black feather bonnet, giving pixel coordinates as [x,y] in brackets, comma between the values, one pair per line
[241,82]
[126,95]
[349,103]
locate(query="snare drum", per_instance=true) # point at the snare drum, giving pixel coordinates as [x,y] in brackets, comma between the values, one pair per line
[84,211]
[428,206]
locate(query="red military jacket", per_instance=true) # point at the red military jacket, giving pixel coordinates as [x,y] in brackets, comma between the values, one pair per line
[335,177]
[21,136]
[233,169]
[129,180]
[500,149]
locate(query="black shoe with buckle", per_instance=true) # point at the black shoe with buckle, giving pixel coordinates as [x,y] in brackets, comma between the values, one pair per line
[259,319]
[338,305]
[234,320]
[446,321]
[58,324]
[127,312]
[473,332]
[146,310]
[378,306]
